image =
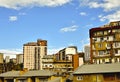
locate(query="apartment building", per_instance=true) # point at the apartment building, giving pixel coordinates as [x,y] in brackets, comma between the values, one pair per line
[19,58]
[77,60]
[87,53]
[47,62]
[1,62]
[1,58]
[105,43]
[66,53]
[7,59]
[33,53]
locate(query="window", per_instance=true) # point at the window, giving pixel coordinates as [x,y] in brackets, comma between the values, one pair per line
[22,80]
[101,39]
[118,76]
[101,52]
[10,80]
[79,78]
[109,77]
[100,45]
[43,80]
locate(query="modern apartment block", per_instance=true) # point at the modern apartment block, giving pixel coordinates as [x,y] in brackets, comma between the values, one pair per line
[33,53]
[66,53]
[105,43]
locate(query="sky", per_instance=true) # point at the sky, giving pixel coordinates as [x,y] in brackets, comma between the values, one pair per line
[62,23]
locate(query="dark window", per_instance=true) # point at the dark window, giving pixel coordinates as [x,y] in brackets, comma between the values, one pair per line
[109,77]
[10,80]
[118,76]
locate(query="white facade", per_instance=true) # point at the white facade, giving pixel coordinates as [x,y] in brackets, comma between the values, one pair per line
[66,53]
[70,50]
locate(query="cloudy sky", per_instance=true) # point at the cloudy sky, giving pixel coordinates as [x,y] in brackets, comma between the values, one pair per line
[62,23]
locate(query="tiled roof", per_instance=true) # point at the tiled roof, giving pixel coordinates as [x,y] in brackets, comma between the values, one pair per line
[98,68]
[27,73]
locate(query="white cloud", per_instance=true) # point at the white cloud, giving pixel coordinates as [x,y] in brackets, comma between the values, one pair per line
[83,14]
[107,5]
[13,18]
[15,4]
[69,29]
[111,17]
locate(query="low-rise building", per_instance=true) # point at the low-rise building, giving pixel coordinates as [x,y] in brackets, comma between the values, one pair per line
[27,76]
[47,62]
[97,73]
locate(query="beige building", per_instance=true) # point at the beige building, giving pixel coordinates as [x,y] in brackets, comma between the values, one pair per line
[97,73]
[28,76]
[1,58]
[105,43]
[1,62]
[19,58]
[33,53]
[47,62]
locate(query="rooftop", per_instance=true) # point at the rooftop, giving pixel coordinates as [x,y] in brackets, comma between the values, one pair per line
[98,68]
[27,73]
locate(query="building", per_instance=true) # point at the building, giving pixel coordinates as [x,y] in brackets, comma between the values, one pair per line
[1,58]
[13,60]
[33,53]
[19,58]
[47,62]
[97,73]
[1,62]
[105,43]
[77,60]
[27,76]
[87,53]
[67,53]
[7,59]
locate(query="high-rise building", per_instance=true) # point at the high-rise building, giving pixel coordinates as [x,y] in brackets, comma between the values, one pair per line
[33,53]
[105,43]
[1,62]
[7,59]
[87,53]
[19,58]
[1,58]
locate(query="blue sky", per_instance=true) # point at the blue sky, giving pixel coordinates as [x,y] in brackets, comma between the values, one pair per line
[62,23]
